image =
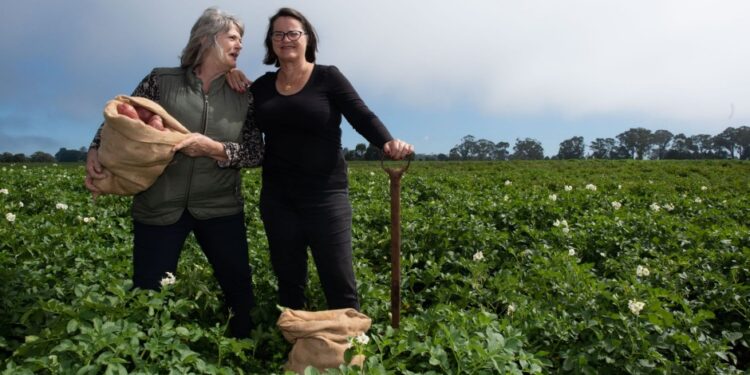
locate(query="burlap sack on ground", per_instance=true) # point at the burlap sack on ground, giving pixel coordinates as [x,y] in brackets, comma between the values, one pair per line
[320,338]
[133,153]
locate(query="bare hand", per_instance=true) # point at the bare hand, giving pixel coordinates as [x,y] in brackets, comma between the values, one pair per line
[397,149]
[238,81]
[94,171]
[197,144]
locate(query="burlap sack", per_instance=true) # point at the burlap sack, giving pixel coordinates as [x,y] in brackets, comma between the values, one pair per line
[133,153]
[320,338]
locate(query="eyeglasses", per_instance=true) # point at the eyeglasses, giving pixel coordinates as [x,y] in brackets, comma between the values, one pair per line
[292,35]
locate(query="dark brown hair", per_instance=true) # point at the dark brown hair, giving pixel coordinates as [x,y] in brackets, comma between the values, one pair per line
[312,37]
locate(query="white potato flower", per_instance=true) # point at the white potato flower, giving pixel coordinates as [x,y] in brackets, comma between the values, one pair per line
[560,223]
[591,187]
[669,207]
[704,188]
[10,217]
[508,182]
[698,200]
[616,205]
[4,191]
[568,188]
[511,309]
[655,207]
[636,306]
[362,339]
[478,256]
[61,206]
[168,280]
[571,251]
[642,271]
[553,197]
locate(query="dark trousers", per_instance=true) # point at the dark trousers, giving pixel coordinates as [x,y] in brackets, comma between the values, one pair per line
[322,221]
[224,242]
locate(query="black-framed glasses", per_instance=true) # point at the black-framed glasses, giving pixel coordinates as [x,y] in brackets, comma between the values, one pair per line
[292,35]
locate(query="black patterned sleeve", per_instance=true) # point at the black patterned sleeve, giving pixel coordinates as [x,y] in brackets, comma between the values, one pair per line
[148,88]
[249,152]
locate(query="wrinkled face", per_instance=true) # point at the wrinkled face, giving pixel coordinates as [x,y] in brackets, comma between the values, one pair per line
[228,46]
[284,46]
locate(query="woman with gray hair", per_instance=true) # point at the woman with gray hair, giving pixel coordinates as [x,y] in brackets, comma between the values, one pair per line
[194,194]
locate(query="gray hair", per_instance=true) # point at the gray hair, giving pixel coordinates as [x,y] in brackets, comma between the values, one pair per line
[211,23]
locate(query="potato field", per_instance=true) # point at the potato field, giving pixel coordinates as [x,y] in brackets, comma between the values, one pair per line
[543,267]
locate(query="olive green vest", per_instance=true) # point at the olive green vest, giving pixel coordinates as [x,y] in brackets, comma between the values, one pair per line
[196,184]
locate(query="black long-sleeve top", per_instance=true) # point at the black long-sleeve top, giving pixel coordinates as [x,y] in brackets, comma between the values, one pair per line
[302,131]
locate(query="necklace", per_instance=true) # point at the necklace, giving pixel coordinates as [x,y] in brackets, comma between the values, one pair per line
[291,83]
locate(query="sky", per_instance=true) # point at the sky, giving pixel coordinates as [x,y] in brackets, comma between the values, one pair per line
[433,71]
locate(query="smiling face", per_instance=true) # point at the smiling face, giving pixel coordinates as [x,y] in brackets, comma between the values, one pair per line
[228,47]
[289,50]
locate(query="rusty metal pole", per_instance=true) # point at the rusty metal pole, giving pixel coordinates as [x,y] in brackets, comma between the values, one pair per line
[394,175]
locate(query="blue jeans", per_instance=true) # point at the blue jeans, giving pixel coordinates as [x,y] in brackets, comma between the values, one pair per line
[223,240]
[321,220]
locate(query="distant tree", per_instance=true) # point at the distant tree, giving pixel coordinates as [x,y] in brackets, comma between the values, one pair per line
[680,148]
[660,139]
[41,157]
[465,150]
[442,157]
[372,153]
[527,149]
[64,155]
[359,151]
[636,141]
[602,148]
[6,157]
[501,150]
[484,150]
[620,153]
[701,146]
[742,142]
[725,141]
[453,154]
[19,158]
[572,148]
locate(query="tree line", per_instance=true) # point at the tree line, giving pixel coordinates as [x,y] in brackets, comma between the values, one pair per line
[635,143]
[62,156]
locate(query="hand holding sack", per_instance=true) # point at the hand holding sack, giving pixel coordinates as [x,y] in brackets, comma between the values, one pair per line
[133,152]
[320,338]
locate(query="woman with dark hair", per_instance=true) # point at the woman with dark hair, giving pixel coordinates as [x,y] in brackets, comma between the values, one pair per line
[194,194]
[304,200]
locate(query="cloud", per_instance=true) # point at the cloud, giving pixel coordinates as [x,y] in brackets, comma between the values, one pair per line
[678,61]
[584,63]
